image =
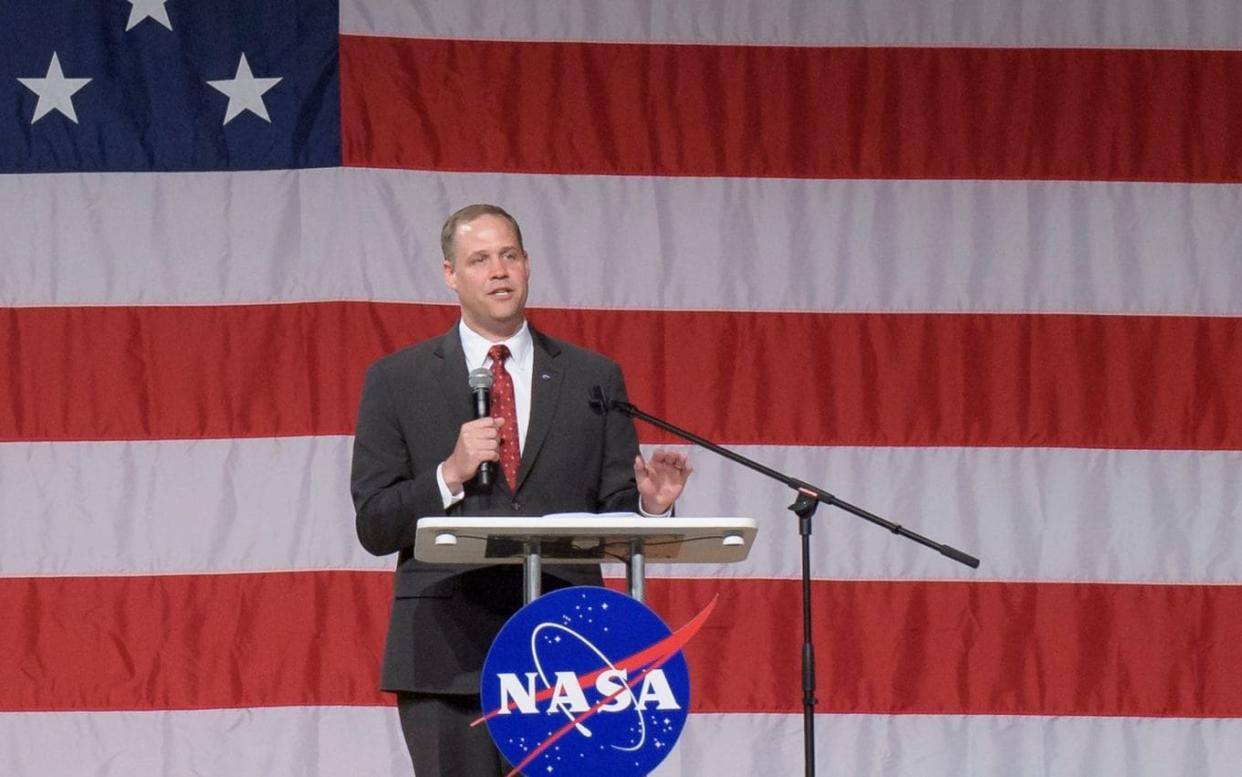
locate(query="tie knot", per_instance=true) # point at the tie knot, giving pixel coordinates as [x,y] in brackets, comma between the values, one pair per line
[499,353]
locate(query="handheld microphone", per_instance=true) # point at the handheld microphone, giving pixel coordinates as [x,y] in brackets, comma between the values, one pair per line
[481,392]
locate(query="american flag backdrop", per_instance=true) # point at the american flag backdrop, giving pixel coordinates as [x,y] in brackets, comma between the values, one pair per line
[973,264]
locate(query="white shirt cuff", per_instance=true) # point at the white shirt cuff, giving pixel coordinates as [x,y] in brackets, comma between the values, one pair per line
[646,514]
[447,497]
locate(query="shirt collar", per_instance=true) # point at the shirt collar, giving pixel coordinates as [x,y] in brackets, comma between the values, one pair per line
[476,346]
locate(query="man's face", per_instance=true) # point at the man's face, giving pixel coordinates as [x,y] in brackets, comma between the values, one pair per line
[490,275]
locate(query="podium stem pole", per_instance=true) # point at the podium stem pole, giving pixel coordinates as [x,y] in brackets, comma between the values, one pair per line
[532,567]
[636,569]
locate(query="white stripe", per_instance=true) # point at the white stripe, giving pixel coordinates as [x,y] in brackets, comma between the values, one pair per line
[272,504]
[1146,23]
[628,242]
[180,506]
[951,745]
[264,742]
[333,741]
[1027,513]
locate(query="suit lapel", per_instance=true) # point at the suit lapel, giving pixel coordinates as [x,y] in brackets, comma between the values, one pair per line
[545,394]
[452,377]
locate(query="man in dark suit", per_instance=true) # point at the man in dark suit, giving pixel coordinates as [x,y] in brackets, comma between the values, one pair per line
[417,452]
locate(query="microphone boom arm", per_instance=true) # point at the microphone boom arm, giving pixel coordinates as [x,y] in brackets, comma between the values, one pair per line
[600,399]
[808,498]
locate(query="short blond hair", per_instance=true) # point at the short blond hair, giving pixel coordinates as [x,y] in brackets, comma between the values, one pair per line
[468,214]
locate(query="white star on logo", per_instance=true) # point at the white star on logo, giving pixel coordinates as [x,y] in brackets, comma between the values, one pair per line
[245,92]
[147,9]
[55,91]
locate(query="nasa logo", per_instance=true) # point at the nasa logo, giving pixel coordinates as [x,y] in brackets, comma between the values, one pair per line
[587,681]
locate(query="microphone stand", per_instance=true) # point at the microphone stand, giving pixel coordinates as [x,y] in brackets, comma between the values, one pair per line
[807,498]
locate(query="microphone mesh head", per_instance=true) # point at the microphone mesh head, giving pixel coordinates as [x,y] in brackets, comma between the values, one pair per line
[480,378]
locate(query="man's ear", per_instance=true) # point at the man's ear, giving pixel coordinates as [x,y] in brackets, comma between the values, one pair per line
[450,275]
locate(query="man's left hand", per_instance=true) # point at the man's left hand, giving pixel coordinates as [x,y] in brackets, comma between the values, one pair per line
[661,480]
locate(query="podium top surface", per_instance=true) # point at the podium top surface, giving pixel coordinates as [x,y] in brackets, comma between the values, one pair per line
[583,538]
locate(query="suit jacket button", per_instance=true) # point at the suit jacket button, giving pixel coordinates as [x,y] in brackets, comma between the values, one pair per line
[517,505]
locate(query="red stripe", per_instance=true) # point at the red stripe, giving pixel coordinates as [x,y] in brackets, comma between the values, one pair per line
[186,372]
[206,641]
[192,641]
[767,111]
[971,648]
[1157,382]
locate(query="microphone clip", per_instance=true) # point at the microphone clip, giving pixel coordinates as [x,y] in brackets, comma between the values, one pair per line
[602,403]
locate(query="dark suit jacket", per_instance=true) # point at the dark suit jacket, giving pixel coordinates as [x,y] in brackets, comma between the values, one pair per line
[574,459]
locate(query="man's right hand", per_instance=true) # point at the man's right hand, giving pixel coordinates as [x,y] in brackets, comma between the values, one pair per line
[477,442]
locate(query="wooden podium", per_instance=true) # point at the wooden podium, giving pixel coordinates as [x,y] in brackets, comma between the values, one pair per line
[583,538]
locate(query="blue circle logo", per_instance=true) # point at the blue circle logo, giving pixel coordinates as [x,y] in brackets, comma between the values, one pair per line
[586,681]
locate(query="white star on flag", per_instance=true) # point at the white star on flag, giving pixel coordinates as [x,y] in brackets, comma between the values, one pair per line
[147,9]
[55,91]
[245,92]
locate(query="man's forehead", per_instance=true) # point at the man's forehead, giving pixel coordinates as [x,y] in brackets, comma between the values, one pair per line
[476,237]
[485,223]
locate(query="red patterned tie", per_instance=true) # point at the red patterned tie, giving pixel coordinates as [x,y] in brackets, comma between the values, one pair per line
[503,406]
